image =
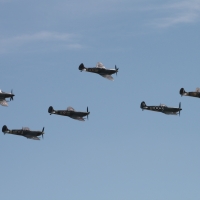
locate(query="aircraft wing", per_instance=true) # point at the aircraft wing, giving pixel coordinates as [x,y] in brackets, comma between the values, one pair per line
[197,90]
[33,137]
[3,102]
[100,65]
[70,109]
[109,77]
[79,118]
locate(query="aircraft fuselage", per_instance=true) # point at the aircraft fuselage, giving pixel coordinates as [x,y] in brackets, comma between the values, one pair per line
[101,71]
[163,109]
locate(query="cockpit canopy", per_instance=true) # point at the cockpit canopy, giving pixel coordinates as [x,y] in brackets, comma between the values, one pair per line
[70,109]
[25,128]
[163,105]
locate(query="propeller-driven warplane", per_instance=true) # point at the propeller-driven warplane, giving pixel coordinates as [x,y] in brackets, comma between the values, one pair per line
[191,94]
[101,70]
[25,131]
[70,112]
[162,108]
[4,95]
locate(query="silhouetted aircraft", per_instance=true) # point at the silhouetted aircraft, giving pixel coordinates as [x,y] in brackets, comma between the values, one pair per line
[25,131]
[70,112]
[162,108]
[101,70]
[191,94]
[3,96]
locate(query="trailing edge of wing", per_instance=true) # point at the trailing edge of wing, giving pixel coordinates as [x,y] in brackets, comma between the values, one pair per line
[3,102]
[109,77]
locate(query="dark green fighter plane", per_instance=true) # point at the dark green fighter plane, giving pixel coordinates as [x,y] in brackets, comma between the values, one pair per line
[191,94]
[101,70]
[25,131]
[70,112]
[162,108]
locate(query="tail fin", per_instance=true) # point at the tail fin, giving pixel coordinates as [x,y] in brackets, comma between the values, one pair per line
[50,110]
[182,91]
[5,129]
[81,67]
[142,105]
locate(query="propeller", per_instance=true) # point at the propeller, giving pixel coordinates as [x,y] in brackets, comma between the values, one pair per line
[116,69]
[42,132]
[87,112]
[11,98]
[179,108]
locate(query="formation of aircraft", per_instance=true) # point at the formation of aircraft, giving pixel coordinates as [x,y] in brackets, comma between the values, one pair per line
[4,95]
[70,112]
[101,70]
[191,94]
[25,131]
[162,108]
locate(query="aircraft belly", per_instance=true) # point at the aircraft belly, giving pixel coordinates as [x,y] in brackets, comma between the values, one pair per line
[79,114]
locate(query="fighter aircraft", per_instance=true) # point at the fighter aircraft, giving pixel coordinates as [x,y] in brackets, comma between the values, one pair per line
[101,70]
[25,131]
[70,112]
[3,96]
[192,94]
[162,108]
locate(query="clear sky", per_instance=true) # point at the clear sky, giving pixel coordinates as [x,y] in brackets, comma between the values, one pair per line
[121,152]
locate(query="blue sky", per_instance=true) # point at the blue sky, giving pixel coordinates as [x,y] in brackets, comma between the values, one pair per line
[121,152]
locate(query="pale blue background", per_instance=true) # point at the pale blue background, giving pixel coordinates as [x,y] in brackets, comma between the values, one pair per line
[120,153]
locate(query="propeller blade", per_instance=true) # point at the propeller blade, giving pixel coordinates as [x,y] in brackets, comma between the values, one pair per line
[87,112]
[11,98]
[116,69]
[179,108]
[43,133]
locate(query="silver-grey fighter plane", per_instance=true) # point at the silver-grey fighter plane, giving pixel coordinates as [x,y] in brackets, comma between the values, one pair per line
[3,96]
[162,108]
[101,70]
[191,94]
[25,131]
[70,112]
